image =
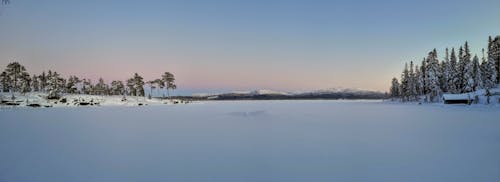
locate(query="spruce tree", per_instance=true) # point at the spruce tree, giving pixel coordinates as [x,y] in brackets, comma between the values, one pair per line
[405,86]
[412,83]
[432,76]
[453,81]
[394,90]
[478,78]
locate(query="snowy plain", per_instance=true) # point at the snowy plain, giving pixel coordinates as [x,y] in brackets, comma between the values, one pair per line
[252,141]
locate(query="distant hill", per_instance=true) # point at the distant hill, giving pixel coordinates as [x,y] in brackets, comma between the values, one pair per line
[335,93]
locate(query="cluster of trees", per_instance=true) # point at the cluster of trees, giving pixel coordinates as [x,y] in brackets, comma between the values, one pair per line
[454,74]
[15,78]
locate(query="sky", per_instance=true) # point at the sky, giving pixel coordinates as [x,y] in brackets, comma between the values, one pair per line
[223,45]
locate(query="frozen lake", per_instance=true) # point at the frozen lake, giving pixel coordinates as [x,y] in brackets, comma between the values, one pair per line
[252,141]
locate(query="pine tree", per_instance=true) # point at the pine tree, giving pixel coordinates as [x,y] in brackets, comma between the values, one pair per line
[15,71]
[131,87]
[169,80]
[117,88]
[138,85]
[25,83]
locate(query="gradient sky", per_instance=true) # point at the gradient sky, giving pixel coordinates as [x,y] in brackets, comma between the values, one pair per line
[222,45]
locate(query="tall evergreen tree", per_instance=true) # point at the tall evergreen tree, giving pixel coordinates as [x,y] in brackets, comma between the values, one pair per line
[494,53]
[394,90]
[419,83]
[432,78]
[405,86]
[454,77]
[476,69]
[469,81]
[490,74]
[412,83]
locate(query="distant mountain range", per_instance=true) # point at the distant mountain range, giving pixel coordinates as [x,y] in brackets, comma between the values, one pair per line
[334,93]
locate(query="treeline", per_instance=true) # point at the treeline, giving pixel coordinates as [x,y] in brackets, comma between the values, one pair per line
[454,74]
[15,78]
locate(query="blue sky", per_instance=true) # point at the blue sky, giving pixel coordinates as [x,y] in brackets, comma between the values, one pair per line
[239,45]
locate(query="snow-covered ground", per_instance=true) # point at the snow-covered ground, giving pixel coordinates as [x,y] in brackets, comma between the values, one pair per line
[252,141]
[73,100]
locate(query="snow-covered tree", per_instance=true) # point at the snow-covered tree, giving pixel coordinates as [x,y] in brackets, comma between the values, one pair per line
[15,71]
[35,85]
[422,78]
[453,76]
[72,84]
[412,82]
[43,81]
[87,86]
[494,53]
[55,85]
[444,72]
[101,88]
[394,90]
[419,81]
[25,83]
[117,88]
[478,78]
[136,85]
[405,86]
[139,85]
[490,74]
[432,76]
[5,82]
[469,81]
